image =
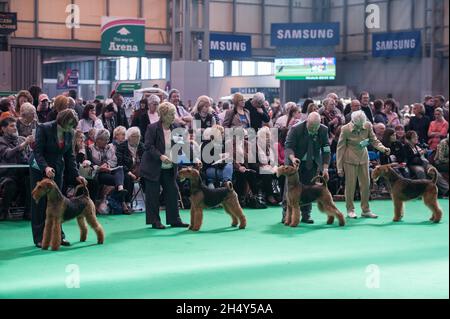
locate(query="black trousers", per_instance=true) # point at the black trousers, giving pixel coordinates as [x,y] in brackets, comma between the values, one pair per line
[38,214]
[115,178]
[170,190]
[241,181]
[306,175]
[16,186]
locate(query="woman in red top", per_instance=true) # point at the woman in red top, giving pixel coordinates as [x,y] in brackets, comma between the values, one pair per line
[438,129]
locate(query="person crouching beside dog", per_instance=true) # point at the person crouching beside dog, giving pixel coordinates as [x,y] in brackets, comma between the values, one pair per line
[352,158]
[307,147]
[53,158]
[157,170]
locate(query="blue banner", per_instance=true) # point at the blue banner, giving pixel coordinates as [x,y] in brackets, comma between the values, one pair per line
[396,44]
[305,34]
[229,46]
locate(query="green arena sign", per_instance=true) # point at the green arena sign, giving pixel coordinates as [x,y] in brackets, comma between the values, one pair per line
[128,87]
[123,36]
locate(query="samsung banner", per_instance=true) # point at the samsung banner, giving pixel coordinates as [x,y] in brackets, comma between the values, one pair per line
[229,46]
[396,44]
[305,34]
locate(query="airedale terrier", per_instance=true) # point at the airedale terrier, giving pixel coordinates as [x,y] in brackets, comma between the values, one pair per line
[61,209]
[404,189]
[298,194]
[203,197]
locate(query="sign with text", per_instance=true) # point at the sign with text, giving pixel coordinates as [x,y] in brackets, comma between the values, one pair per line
[67,80]
[396,44]
[123,36]
[305,34]
[229,46]
[8,22]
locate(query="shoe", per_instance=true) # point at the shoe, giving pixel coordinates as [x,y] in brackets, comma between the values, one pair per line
[307,221]
[158,226]
[65,243]
[351,214]
[211,186]
[39,245]
[126,209]
[255,204]
[272,201]
[179,225]
[369,214]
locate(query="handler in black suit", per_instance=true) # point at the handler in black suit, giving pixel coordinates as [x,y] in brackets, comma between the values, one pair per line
[52,157]
[158,170]
[307,145]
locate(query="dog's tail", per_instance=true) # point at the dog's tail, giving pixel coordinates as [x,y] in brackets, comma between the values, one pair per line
[81,190]
[435,174]
[229,185]
[322,180]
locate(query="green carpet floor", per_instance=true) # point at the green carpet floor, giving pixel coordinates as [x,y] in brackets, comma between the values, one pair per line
[365,259]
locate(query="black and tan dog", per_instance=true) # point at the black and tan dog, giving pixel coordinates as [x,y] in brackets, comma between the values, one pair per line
[61,209]
[404,189]
[298,195]
[202,197]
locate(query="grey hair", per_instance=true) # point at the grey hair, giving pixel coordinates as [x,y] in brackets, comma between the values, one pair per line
[133,130]
[326,101]
[118,130]
[27,108]
[329,96]
[289,105]
[154,99]
[102,134]
[313,117]
[359,116]
[259,97]
[71,103]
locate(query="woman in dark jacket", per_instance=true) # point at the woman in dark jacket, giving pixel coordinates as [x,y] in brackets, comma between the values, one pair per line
[129,155]
[157,169]
[53,158]
[417,163]
[397,155]
[150,115]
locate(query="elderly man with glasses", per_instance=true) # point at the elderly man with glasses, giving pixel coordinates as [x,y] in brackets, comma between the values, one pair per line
[308,147]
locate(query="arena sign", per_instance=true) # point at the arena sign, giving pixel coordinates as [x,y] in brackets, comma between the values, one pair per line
[123,36]
[396,44]
[226,46]
[305,34]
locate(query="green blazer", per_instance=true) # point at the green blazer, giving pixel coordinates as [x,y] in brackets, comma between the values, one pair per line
[297,144]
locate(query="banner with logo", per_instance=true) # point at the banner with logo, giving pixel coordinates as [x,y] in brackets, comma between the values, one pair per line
[123,36]
[67,80]
[8,22]
[229,46]
[305,34]
[396,44]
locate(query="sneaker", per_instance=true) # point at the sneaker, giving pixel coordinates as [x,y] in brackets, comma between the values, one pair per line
[369,214]
[254,203]
[352,214]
